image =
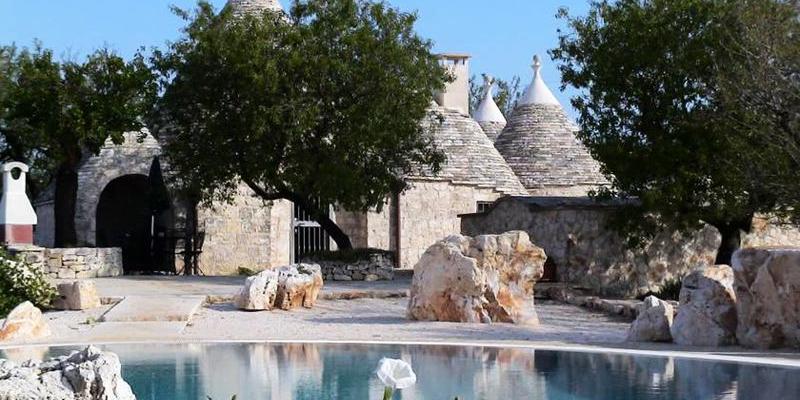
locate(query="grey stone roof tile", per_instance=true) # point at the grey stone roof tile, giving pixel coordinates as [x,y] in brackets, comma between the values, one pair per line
[471,157]
[540,146]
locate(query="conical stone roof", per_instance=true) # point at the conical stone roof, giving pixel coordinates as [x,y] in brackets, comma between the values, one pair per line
[471,157]
[488,114]
[241,7]
[541,147]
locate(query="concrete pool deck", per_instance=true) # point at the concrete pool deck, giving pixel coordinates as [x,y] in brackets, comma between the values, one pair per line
[365,319]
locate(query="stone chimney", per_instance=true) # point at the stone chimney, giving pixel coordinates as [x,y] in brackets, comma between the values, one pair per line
[17,217]
[455,94]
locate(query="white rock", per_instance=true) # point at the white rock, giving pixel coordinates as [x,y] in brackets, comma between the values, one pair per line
[86,375]
[299,286]
[707,312]
[287,288]
[486,279]
[768,293]
[24,323]
[653,322]
[259,292]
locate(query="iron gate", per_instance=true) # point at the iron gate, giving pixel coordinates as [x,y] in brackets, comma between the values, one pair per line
[309,237]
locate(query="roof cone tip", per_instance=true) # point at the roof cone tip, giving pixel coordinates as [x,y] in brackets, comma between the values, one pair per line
[538,92]
[487,110]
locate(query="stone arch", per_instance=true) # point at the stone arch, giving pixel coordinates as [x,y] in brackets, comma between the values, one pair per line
[132,157]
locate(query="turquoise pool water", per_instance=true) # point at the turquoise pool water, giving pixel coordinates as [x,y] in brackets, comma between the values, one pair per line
[309,371]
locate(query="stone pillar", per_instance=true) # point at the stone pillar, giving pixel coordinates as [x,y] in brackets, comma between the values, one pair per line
[17,216]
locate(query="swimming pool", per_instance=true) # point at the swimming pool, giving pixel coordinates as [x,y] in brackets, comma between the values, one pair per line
[346,371]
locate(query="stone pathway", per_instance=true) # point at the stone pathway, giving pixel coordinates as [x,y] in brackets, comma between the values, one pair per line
[224,288]
[159,308]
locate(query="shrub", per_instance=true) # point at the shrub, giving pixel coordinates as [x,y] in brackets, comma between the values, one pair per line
[20,282]
[669,290]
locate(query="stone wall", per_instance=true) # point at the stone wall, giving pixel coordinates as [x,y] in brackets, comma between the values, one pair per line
[375,267]
[77,263]
[237,235]
[770,232]
[429,211]
[575,236]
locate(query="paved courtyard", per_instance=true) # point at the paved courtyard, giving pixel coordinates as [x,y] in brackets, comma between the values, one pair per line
[175,309]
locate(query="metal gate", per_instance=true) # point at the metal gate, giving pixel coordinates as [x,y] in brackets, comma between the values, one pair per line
[309,237]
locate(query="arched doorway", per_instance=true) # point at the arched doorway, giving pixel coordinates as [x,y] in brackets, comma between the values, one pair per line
[125,219]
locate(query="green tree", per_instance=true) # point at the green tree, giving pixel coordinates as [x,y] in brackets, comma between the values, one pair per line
[319,106]
[53,112]
[506,96]
[653,111]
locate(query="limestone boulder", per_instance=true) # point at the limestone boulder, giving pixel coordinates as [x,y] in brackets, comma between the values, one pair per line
[286,288]
[259,292]
[767,283]
[90,374]
[479,280]
[707,311]
[77,295]
[24,323]
[299,286]
[653,322]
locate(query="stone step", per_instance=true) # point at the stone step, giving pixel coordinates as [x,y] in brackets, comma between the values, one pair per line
[154,309]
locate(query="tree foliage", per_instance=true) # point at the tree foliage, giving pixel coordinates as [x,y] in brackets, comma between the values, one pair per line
[319,106]
[657,109]
[53,112]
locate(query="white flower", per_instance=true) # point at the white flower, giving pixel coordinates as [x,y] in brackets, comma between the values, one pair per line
[396,374]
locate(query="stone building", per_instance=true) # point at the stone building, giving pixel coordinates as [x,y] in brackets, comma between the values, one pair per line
[540,146]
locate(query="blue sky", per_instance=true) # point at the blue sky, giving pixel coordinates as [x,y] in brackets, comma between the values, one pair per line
[501,35]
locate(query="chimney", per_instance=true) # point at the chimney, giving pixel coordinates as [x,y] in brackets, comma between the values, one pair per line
[17,217]
[455,94]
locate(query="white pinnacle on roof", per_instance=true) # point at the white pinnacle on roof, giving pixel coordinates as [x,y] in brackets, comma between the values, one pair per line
[538,92]
[488,111]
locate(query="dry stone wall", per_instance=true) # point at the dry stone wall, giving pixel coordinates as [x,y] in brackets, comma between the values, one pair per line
[575,236]
[77,263]
[375,267]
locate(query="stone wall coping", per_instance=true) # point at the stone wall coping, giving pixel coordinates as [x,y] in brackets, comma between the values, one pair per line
[545,203]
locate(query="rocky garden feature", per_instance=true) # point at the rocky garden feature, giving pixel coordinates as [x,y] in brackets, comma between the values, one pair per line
[653,322]
[24,323]
[484,279]
[707,313]
[286,288]
[355,265]
[767,284]
[90,374]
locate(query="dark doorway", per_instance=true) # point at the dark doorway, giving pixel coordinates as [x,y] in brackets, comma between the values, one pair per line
[125,219]
[550,271]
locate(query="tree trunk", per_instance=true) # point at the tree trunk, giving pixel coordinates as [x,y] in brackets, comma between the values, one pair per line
[331,228]
[64,207]
[731,239]
[190,266]
[323,219]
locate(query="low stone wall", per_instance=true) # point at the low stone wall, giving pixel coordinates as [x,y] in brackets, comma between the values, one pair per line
[76,263]
[375,267]
[585,251]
